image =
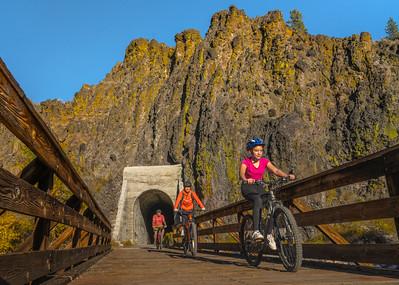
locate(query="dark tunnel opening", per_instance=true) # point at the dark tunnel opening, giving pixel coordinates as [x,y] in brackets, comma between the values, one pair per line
[150,201]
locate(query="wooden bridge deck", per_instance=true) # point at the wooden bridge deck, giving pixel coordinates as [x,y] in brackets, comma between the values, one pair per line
[148,266]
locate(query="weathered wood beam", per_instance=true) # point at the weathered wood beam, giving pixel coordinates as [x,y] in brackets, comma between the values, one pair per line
[72,202]
[22,268]
[378,209]
[392,180]
[364,253]
[368,167]
[229,228]
[41,232]
[19,196]
[19,116]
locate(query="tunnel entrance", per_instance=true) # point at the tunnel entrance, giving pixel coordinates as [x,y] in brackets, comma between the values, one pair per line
[145,206]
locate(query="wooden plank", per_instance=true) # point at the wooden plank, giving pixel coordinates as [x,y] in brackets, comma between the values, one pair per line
[368,167]
[220,246]
[19,196]
[224,211]
[66,234]
[21,268]
[19,116]
[377,209]
[76,238]
[327,230]
[393,189]
[234,234]
[26,245]
[221,229]
[41,232]
[366,253]
[62,278]
[84,241]
[33,171]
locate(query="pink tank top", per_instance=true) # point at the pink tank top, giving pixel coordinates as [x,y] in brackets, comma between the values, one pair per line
[255,172]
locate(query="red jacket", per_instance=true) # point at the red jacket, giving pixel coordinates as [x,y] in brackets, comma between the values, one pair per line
[158,221]
[187,203]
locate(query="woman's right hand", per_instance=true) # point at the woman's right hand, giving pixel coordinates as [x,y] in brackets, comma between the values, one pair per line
[251,181]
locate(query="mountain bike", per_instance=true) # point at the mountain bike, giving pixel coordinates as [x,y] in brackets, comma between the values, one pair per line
[284,230]
[190,233]
[159,237]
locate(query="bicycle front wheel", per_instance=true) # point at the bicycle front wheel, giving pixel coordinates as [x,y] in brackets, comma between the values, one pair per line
[251,249]
[194,243]
[288,239]
[185,242]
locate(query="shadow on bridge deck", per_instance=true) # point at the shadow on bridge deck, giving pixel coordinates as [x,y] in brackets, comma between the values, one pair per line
[148,266]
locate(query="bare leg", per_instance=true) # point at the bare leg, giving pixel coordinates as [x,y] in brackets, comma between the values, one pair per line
[155,236]
[161,237]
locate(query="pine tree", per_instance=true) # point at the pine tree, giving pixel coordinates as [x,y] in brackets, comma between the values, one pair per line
[296,21]
[392,29]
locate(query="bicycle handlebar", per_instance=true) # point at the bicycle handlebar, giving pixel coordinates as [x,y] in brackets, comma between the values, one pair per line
[272,183]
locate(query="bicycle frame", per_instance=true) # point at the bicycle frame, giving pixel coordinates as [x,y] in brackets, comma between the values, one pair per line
[281,223]
[269,202]
[189,241]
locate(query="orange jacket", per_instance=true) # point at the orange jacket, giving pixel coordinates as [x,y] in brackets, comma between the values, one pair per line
[187,203]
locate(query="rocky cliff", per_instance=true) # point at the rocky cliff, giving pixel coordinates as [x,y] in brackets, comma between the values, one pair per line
[317,101]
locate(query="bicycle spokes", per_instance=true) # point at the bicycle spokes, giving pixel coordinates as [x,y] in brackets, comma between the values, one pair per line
[288,240]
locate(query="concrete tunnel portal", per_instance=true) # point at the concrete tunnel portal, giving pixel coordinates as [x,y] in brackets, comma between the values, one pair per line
[144,190]
[149,202]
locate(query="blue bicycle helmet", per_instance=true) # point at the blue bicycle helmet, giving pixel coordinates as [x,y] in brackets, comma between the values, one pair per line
[254,142]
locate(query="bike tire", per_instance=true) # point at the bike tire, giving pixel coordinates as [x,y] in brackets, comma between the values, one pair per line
[185,243]
[289,247]
[194,241]
[251,250]
[185,248]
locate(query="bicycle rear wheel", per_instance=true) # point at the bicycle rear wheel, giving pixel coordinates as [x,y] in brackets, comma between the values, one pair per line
[251,249]
[288,239]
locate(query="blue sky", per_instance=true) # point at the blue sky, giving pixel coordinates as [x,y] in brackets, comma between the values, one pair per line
[53,47]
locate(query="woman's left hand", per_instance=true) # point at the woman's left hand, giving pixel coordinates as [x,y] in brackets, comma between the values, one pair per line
[291,177]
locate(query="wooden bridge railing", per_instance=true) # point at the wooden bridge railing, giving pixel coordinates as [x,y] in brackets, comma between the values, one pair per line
[384,163]
[89,232]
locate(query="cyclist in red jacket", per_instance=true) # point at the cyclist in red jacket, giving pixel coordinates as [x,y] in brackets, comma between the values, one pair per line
[158,223]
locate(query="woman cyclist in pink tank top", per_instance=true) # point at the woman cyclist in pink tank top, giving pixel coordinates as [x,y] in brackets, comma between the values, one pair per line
[252,169]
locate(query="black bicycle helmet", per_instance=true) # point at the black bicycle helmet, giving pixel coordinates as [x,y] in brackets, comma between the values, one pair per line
[187,184]
[255,142]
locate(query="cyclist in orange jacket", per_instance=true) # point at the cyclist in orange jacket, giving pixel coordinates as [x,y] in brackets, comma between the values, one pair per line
[185,201]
